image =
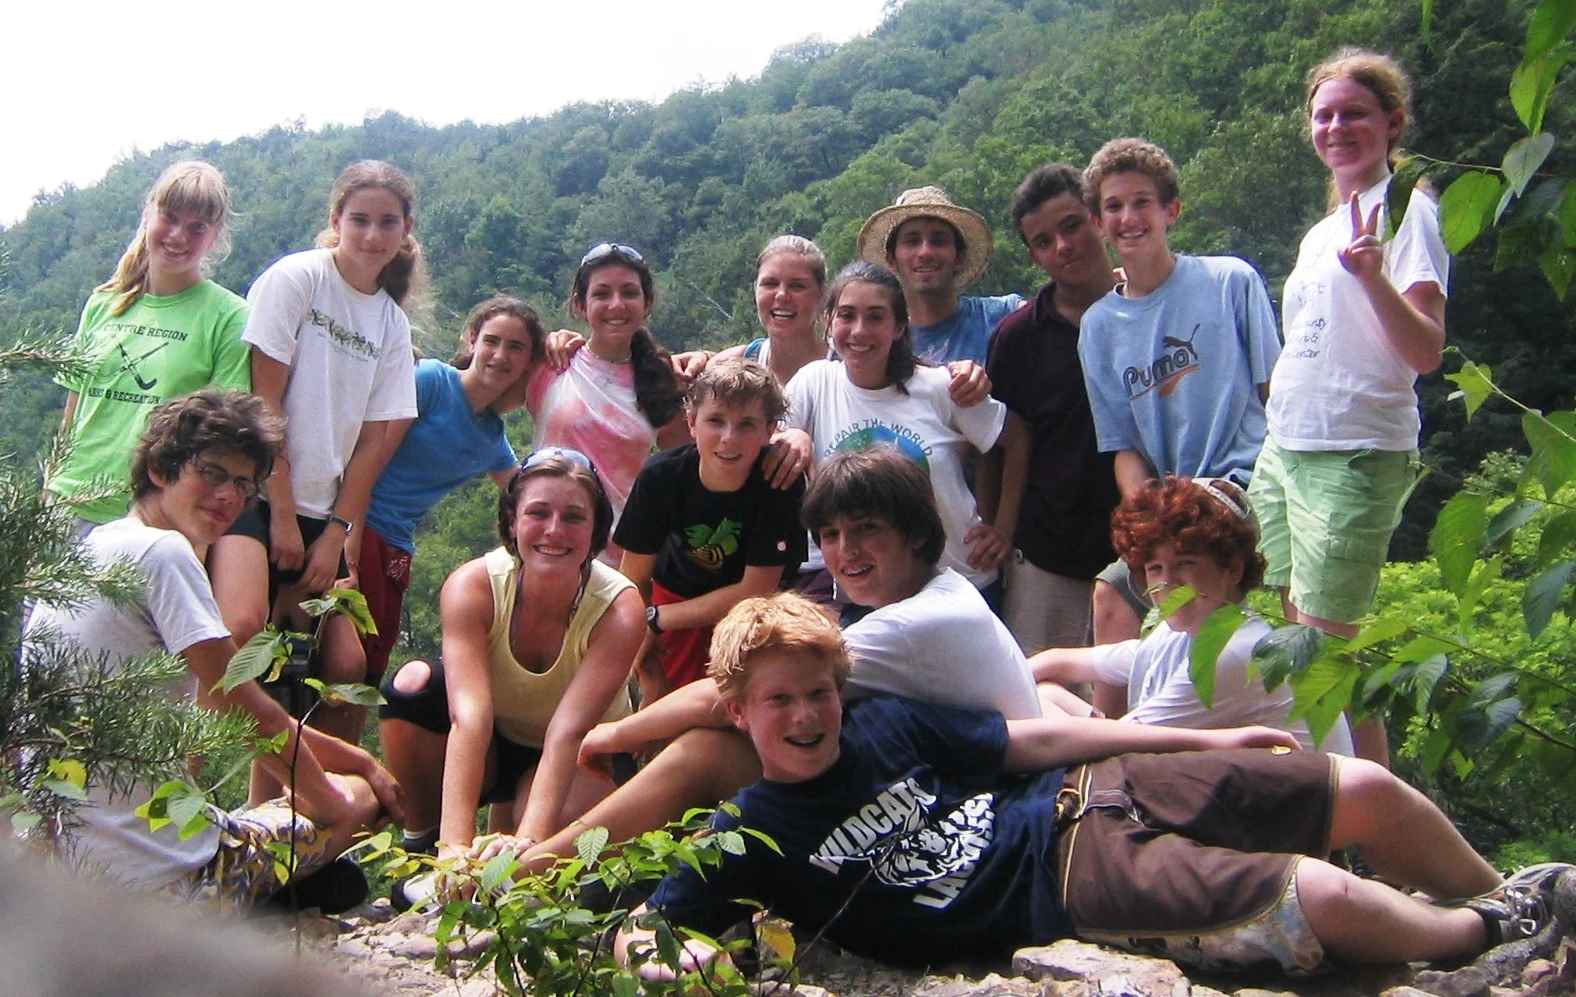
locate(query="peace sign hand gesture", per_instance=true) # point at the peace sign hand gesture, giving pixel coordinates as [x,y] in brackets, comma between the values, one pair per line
[1363,257]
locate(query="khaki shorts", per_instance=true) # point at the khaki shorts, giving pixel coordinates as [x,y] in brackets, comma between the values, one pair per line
[1193,855]
[1325,520]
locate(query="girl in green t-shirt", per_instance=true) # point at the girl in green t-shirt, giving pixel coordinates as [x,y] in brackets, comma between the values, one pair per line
[156,330]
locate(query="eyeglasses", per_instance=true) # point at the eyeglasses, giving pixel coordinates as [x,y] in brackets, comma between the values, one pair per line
[218,477]
[562,453]
[605,249]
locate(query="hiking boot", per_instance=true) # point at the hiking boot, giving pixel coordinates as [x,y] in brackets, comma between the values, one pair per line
[1521,905]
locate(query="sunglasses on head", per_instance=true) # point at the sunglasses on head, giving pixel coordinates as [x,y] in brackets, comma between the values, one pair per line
[563,453]
[603,250]
[1228,493]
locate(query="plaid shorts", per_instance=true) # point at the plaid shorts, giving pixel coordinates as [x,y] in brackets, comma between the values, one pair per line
[254,845]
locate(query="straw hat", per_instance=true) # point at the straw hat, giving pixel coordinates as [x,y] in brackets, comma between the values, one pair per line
[930,202]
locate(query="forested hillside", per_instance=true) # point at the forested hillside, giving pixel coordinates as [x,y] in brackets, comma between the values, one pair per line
[966,93]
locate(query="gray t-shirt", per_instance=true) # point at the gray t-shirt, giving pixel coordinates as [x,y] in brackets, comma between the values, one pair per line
[177,610]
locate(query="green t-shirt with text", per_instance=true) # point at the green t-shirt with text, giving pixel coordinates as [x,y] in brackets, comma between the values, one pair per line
[160,348]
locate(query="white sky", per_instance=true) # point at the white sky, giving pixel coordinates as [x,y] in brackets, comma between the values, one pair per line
[83,84]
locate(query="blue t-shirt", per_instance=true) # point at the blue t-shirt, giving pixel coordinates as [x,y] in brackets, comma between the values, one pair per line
[964,854]
[1174,375]
[446,446]
[965,335]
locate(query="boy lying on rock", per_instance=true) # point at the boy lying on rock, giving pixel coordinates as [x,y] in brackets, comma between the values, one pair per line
[920,833]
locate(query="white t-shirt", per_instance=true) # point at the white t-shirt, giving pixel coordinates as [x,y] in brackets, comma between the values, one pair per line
[350,362]
[942,645]
[923,425]
[1338,385]
[1154,669]
[176,611]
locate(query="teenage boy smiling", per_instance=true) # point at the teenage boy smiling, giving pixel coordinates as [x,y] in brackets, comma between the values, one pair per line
[916,833]
[1176,359]
[703,527]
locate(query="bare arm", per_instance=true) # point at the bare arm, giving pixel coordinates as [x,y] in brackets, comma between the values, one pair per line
[1066,665]
[501,478]
[465,609]
[631,937]
[367,461]
[1132,472]
[269,379]
[695,705]
[69,413]
[613,643]
[1014,446]
[1048,742]
[705,610]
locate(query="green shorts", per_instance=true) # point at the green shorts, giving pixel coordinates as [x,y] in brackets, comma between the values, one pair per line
[1325,519]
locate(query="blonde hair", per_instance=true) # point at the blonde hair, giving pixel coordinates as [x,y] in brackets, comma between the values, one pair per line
[406,274]
[189,186]
[796,245]
[782,622]
[1131,155]
[1379,74]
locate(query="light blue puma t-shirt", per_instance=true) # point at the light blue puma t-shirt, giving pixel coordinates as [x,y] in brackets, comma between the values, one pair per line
[1174,375]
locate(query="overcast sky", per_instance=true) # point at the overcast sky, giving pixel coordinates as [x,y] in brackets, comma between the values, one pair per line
[83,84]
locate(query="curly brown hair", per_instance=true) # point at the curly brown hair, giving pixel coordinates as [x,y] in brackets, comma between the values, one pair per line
[204,421]
[1183,512]
[1131,155]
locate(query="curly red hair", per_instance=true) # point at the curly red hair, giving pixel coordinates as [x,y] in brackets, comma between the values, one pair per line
[1178,511]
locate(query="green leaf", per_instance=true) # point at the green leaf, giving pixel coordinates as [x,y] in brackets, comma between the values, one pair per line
[1210,640]
[624,985]
[1285,652]
[24,821]
[66,790]
[1568,217]
[316,607]
[1377,632]
[254,658]
[668,946]
[353,693]
[1553,441]
[1558,535]
[1549,25]
[1476,384]
[1531,84]
[1510,519]
[1457,537]
[498,869]
[69,770]
[273,745]
[731,842]
[590,843]
[1179,597]
[1425,678]
[1558,266]
[1465,207]
[763,838]
[1435,748]
[1542,596]
[1479,727]
[1524,157]
[1485,575]
[1321,693]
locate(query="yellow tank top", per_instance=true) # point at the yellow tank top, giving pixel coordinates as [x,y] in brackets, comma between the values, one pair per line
[524,701]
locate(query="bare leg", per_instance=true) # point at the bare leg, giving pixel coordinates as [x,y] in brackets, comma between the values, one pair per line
[1360,920]
[238,569]
[1055,698]
[698,769]
[588,789]
[415,755]
[1114,619]
[343,660]
[1369,738]
[1402,834]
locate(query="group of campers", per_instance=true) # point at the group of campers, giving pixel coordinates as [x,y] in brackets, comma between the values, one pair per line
[878,575]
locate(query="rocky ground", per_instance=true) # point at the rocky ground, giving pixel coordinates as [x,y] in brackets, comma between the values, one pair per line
[384,953]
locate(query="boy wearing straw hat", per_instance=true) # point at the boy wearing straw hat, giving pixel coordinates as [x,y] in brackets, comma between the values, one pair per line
[938,248]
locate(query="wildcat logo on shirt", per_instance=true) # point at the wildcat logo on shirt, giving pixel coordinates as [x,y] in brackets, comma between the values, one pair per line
[896,834]
[1167,371]
[346,339]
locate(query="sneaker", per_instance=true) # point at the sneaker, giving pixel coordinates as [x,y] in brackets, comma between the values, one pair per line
[1520,906]
[333,889]
[419,892]
[420,844]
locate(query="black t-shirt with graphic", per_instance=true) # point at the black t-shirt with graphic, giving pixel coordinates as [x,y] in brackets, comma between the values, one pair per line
[964,854]
[703,539]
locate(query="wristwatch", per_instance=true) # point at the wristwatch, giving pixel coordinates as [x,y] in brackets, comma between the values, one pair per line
[653,623]
[342,521]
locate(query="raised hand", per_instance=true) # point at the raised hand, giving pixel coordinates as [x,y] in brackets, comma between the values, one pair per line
[1363,257]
